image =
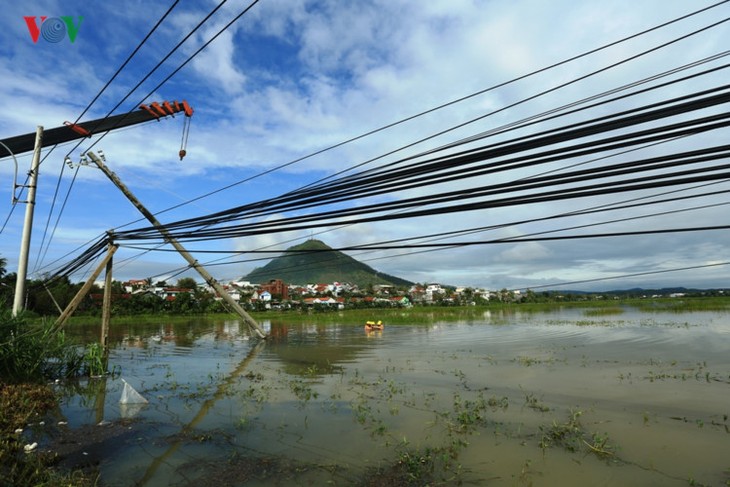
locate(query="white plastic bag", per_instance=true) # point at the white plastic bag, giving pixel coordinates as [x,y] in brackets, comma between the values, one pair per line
[130,396]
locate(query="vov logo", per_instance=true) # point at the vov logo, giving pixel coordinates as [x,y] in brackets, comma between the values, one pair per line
[53,29]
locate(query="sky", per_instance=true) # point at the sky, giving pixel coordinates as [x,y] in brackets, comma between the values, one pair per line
[291,78]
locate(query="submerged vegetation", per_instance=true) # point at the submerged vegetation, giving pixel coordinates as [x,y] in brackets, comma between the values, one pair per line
[572,436]
[32,355]
[459,411]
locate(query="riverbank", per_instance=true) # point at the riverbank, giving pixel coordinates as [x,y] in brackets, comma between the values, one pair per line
[22,407]
[431,313]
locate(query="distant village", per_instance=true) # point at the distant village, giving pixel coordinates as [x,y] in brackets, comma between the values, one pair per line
[277,294]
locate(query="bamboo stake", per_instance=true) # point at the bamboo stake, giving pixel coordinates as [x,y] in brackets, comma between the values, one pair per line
[61,321]
[106,311]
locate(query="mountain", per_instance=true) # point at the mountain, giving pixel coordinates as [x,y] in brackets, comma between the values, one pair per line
[315,262]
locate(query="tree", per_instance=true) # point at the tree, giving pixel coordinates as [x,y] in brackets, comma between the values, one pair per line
[117,288]
[187,283]
[505,295]
[183,303]
[530,296]
[7,285]
[467,296]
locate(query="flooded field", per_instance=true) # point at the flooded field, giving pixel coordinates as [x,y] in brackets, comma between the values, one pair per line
[571,398]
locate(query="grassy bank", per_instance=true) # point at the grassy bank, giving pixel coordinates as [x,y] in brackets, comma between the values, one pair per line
[429,314]
[22,405]
[30,356]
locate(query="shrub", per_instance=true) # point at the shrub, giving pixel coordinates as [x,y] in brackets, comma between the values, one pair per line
[32,353]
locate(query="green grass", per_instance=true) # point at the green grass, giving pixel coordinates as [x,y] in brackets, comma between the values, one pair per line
[431,314]
[32,352]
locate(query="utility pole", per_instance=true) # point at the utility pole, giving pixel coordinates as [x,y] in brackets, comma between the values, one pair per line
[28,225]
[178,246]
[106,308]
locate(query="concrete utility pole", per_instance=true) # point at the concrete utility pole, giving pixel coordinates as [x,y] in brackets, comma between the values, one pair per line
[172,241]
[28,225]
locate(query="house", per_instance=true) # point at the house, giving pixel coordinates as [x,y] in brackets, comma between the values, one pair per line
[233,291]
[170,293]
[434,292]
[276,287]
[135,285]
[400,301]
[324,301]
[383,288]
[261,296]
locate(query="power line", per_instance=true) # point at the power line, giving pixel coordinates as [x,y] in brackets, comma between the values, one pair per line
[701,124]
[624,276]
[444,105]
[675,40]
[88,106]
[353,190]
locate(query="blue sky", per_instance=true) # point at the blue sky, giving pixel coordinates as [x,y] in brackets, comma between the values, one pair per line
[293,77]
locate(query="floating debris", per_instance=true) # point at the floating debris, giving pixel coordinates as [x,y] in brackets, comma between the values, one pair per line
[130,396]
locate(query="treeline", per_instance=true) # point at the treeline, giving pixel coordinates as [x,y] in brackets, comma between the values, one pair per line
[48,297]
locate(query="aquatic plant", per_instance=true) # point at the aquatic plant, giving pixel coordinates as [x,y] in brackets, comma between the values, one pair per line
[30,352]
[94,360]
[533,402]
[303,390]
[572,436]
[603,311]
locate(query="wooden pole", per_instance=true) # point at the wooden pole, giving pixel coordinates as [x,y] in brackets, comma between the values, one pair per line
[84,289]
[106,310]
[58,307]
[178,246]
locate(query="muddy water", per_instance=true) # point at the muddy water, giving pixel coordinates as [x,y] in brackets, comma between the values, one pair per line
[565,398]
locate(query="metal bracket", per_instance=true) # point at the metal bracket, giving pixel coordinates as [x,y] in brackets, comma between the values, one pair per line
[84,161]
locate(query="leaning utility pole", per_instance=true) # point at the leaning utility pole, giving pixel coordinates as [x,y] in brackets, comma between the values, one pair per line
[27,226]
[171,240]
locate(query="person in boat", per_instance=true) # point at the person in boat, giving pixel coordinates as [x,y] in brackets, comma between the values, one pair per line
[371,325]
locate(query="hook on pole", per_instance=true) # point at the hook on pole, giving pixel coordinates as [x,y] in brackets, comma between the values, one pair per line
[186,132]
[15,175]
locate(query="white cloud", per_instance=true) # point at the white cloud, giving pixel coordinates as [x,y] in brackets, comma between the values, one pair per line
[293,78]
[217,64]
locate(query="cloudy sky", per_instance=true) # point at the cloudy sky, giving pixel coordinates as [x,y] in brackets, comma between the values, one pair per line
[290,78]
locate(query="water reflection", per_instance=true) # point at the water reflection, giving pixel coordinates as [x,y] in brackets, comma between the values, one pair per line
[313,350]
[337,405]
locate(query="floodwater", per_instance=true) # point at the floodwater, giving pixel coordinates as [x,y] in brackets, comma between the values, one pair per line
[570,398]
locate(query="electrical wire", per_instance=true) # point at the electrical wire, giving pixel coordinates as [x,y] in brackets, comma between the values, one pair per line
[445,105]
[43,252]
[696,126]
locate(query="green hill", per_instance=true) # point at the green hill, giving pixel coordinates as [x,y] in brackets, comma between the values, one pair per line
[315,262]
